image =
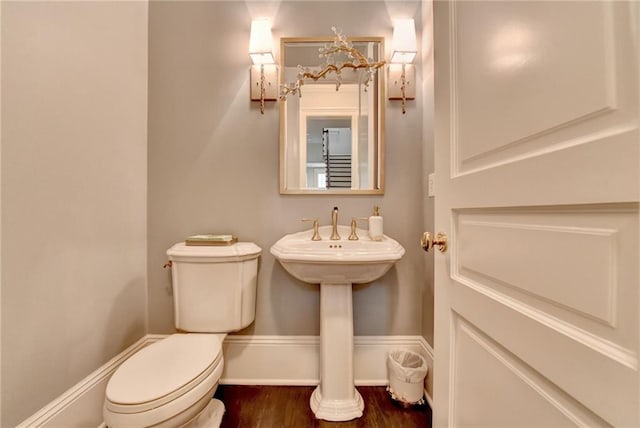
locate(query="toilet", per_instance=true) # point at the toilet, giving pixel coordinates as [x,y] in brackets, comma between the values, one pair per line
[171,383]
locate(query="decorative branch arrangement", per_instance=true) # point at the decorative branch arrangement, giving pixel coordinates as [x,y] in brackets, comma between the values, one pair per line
[356,61]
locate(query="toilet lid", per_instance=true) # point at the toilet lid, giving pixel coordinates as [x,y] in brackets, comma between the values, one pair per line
[165,369]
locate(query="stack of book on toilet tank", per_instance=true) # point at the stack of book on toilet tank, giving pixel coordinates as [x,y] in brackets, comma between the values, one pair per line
[211,240]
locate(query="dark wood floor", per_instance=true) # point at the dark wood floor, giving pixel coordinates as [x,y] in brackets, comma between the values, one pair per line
[288,407]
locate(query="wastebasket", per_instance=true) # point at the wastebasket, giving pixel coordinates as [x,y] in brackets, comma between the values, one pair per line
[407,371]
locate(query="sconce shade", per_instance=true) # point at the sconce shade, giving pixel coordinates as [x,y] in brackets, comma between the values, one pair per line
[261,42]
[404,44]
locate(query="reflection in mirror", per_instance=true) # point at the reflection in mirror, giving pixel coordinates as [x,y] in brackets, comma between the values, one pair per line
[332,141]
[329,148]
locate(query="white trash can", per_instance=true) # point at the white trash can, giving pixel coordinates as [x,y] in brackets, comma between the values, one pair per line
[407,371]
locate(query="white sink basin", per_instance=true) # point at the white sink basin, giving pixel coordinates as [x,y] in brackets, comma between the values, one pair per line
[340,261]
[335,265]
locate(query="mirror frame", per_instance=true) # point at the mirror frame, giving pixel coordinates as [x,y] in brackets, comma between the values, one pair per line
[380,125]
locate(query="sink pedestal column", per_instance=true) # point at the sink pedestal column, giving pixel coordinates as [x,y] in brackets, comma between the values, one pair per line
[336,398]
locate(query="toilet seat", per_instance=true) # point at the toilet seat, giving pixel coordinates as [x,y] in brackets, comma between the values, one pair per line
[164,379]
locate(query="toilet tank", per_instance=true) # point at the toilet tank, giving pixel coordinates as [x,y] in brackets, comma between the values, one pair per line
[214,287]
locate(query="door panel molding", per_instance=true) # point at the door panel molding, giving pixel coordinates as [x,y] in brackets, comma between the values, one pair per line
[517,255]
[537,145]
[624,356]
[500,362]
[549,345]
[573,263]
[580,108]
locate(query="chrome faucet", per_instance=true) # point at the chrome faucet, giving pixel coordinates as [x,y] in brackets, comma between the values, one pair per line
[334,225]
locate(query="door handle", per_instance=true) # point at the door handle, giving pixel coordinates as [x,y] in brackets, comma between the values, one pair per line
[428,242]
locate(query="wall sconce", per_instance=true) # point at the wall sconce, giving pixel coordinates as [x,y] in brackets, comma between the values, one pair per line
[264,73]
[402,74]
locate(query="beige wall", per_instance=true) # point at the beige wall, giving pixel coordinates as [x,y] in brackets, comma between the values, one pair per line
[74,80]
[427,161]
[428,167]
[213,161]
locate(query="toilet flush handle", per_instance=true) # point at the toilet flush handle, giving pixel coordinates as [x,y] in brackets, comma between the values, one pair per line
[168,264]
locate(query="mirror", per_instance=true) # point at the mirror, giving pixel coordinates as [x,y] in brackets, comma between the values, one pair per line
[332,139]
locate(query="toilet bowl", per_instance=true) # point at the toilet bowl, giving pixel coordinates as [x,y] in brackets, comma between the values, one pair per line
[167,383]
[171,383]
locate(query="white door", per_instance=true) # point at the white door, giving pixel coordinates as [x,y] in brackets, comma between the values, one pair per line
[537,154]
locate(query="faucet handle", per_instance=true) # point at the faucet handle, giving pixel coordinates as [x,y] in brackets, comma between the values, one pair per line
[354,223]
[316,235]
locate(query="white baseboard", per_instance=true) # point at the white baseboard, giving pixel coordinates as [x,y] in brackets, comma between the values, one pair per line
[427,353]
[249,360]
[81,405]
[294,360]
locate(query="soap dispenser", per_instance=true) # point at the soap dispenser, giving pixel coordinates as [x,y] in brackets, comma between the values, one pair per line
[375,225]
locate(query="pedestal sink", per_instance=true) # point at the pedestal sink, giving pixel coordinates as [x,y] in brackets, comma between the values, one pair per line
[336,265]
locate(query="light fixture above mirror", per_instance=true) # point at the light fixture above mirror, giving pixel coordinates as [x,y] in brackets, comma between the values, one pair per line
[338,56]
[402,72]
